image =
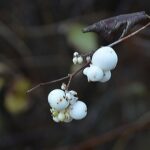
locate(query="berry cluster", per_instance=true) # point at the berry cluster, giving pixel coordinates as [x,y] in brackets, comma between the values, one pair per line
[103,61]
[77,59]
[65,105]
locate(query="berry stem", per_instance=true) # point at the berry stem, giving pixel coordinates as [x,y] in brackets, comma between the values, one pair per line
[128,36]
[48,83]
[75,73]
[70,76]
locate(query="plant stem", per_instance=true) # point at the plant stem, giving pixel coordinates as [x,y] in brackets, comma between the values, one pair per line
[129,36]
[70,76]
[47,83]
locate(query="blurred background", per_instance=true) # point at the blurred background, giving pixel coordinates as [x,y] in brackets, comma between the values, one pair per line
[37,41]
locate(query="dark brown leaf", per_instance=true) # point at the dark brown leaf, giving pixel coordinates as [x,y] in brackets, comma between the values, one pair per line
[123,23]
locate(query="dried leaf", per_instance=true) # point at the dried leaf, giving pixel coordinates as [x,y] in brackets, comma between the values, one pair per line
[125,22]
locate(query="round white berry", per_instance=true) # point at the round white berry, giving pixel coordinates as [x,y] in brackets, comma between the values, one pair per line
[85,70]
[56,119]
[73,92]
[56,99]
[78,110]
[68,95]
[71,98]
[68,119]
[75,60]
[61,116]
[88,58]
[75,54]
[105,58]
[106,76]
[80,60]
[94,73]
[63,86]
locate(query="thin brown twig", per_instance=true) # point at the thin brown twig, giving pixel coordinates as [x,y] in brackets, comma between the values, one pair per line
[70,76]
[48,83]
[75,73]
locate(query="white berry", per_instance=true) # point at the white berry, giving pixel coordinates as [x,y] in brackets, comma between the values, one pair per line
[85,70]
[68,119]
[63,86]
[106,76]
[61,116]
[75,60]
[80,60]
[68,95]
[94,73]
[88,58]
[73,92]
[105,58]
[56,99]
[78,110]
[75,54]
[56,119]
[71,98]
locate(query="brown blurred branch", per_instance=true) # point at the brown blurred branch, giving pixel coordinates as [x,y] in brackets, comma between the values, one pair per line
[70,76]
[16,43]
[14,40]
[125,130]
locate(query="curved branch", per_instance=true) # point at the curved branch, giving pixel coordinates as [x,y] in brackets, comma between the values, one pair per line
[47,83]
[70,76]
[125,130]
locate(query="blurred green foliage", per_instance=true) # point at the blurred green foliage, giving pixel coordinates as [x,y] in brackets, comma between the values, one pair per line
[82,42]
[16,99]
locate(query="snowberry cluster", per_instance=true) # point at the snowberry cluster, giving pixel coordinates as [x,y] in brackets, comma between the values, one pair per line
[65,105]
[77,59]
[103,61]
